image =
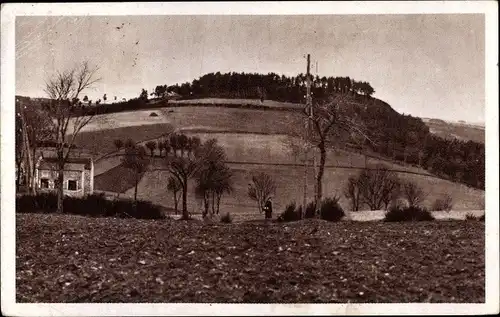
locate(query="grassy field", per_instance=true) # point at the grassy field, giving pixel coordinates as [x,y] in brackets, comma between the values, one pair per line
[266,103]
[127,260]
[98,137]
[260,152]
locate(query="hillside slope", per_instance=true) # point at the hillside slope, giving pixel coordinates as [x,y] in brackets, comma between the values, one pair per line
[255,140]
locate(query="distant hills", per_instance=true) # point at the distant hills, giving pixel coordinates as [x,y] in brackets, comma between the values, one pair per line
[456,130]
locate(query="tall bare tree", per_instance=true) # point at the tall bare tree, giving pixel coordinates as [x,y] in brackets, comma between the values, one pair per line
[174,186]
[333,121]
[32,127]
[183,168]
[352,192]
[63,108]
[213,179]
[135,158]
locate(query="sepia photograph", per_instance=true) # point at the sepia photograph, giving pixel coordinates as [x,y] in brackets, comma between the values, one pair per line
[201,158]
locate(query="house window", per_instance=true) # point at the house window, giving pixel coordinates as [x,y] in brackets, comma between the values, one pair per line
[44,183]
[72,185]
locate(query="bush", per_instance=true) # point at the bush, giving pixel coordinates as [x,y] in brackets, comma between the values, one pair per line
[43,202]
[310,210]
[153,114]
[408,214]
[444,203]
[482,218]
[226,218]
[331,210]
[471,216]
[291,213]
[95,205]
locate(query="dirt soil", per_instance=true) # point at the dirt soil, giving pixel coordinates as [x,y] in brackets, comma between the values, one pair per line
[74,259]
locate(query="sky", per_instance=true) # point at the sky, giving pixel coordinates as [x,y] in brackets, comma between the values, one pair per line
[430,65]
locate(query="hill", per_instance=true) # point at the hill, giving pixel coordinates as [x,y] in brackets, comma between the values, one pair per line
[455,130]
[253,140]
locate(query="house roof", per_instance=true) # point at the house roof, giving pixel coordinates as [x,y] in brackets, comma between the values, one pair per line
[49,162]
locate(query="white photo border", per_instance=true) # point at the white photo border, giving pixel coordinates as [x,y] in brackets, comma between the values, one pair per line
[7,189]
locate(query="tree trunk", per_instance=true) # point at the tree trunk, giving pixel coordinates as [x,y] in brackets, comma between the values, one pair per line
[213,203]
[175,202]
[60,189]
[18,180]
[218,203]
[319,178]
[206,203]
[185,214]
[136,182]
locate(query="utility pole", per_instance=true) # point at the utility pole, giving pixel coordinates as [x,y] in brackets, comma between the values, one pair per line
[307,132]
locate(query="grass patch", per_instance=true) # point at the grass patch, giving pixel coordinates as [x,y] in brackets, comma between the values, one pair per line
[101,142]
[111,260]
[118,179]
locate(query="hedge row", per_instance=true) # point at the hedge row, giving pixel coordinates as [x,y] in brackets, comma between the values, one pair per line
[93,205]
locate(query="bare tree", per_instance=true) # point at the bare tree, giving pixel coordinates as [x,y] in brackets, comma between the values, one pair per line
[353,193]
[135,158]
[20,149]
[151,145]
[377,186]
[261,189]
[63,108]
[213,179]
[183,168]
[174,186]
[333,121]
[413,193]
[118,144]
[32,127]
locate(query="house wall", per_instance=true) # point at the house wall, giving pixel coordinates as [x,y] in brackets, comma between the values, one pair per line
[88,181]
[68,175]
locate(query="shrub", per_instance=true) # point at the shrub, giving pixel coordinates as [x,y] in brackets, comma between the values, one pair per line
[331,210]
[226,218]
[444,203]
[43,202]
[95,205]
[310,210]
[153,114]
[471,216]
[413,213]
[291,213]
[482,218]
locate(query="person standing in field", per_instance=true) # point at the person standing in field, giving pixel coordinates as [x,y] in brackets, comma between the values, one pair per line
[268,209]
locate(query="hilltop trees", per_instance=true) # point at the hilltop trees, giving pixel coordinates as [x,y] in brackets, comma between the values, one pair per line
[144,95]
[160,91]
[269,86]
[63,89]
